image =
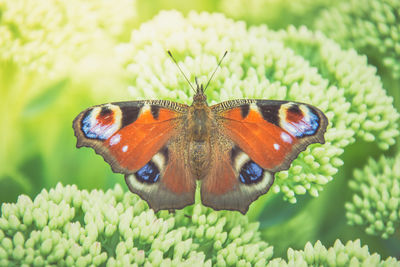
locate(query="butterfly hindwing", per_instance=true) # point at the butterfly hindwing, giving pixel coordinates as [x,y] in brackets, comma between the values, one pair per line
[234,181]
[259,138]
[165,182]
[135,139]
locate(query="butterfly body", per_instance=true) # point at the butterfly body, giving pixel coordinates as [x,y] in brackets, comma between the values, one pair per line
[234,148]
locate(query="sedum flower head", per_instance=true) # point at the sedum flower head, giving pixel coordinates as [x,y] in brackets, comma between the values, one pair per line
[370,26]
[69,227]
[351,254]
[277,14]
[376,200]
[295,64]
[54,33]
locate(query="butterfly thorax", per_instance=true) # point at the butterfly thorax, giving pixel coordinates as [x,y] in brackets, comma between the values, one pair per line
[199,117]
[199,123]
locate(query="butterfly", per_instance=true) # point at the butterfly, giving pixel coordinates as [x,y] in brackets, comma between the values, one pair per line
[234,148]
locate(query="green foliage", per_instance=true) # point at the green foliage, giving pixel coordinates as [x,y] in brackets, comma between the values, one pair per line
[376,200]
[69,227]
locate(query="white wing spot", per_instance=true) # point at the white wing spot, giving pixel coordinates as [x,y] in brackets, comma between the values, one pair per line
[125,148]
[159,160]
[254,107]
[240,160]
[276,146]
[286,138]
[115,139]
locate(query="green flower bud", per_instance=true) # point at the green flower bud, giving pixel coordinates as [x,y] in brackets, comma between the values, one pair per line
[38,261]
[373,199]
[156,257]
[351,254]
[18,253]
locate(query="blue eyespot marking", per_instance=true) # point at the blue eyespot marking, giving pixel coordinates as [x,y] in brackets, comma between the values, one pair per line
[313,120]
[87,126]
[94,129]
[251,173]
[148,174]
[308,125]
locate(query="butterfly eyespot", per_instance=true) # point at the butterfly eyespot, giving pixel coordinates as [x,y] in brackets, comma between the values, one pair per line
[148,174]
[299,120]
[251,173]
[101,122]
[312,120]
[105,115]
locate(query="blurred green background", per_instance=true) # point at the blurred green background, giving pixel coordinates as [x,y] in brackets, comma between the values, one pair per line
[55,61]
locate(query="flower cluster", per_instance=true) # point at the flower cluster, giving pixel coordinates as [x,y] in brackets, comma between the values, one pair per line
[351,254]
[69,227]
[54,33]
[296,64]
[376,200]
[276,14]
[369,26]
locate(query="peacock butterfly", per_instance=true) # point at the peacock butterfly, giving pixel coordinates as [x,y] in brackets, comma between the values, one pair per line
[234,148]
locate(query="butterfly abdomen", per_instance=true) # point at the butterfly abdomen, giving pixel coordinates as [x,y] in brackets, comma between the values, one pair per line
[199,160]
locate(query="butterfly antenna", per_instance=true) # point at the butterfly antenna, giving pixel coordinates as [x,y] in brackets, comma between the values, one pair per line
[170,54]
[212,75]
